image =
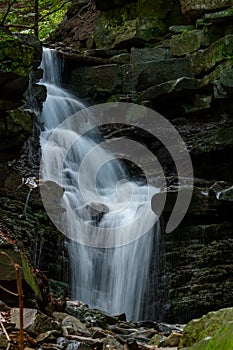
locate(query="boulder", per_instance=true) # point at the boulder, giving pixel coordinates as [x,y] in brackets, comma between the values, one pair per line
[141,76]
[186,42]
[219,51]
[88,81]
[221,340]
[214,324]
[35,322]
[10,254]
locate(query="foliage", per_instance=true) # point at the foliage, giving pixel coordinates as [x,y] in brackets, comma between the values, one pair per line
[40,17]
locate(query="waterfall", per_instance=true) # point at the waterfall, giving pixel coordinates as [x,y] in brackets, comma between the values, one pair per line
[114,279]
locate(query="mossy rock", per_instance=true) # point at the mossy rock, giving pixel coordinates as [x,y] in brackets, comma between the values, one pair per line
[221,50]
[186,42]
[136,22]
[222,340]
[207,326]
[15,56]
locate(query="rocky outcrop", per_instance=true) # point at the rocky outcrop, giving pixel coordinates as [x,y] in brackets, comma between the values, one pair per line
[97,24]
[20,56]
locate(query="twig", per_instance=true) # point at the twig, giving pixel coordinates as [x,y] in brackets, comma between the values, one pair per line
[8,291]
[4,331]
[20,295]
[7,12]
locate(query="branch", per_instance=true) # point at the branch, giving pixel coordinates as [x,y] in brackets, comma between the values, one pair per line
[18,26]
[51,12]
[4,331]
[8,291]
[7,12]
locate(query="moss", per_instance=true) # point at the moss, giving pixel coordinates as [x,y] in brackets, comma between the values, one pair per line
[29,278]
[208,325]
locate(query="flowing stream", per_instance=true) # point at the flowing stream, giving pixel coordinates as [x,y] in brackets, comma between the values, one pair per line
[116,279]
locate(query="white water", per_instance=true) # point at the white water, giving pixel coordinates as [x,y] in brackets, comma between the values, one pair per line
[114,280]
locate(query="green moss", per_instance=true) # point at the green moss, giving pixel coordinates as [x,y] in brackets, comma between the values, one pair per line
[29,278]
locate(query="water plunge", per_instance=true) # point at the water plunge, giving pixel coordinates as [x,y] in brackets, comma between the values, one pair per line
[117,279]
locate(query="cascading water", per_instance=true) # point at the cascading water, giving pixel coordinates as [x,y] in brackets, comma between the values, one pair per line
[112,279]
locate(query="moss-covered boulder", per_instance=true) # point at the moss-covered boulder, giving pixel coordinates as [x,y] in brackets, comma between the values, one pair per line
[215,325]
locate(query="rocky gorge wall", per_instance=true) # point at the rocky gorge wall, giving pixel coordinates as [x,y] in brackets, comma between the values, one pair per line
[26,233]
[176,58]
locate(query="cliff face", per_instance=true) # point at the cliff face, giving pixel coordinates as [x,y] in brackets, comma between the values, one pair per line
[25,228]
[175,57]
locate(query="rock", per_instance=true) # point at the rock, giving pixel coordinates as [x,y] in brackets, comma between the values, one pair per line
[131,344]
[93,80]
[181,28]
[110,343]
[141,76]
[122,58]
[3,306]
[172,340]
[208,325]
[194,9]
[97,210]
[35,322]
[217,52]
[93,318]
[156,339]
[186,42]
[77,326]
[147,54]
[169,89]
[3,341]
[217,192]
[226,78]
[220,16]
[221,340]
[48,336]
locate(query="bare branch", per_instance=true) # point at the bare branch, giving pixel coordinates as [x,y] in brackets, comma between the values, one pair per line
[11,3]
[4,331]
[8,291]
